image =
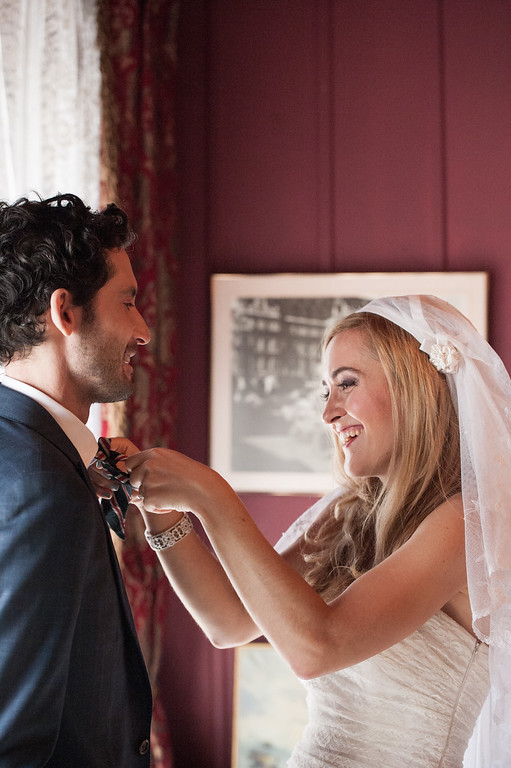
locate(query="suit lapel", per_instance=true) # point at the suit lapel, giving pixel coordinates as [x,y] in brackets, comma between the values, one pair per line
[18,407]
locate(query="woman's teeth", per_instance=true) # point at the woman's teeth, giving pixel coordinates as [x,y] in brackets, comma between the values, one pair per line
[348,434]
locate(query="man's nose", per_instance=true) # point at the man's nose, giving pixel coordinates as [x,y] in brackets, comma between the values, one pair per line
[142,332]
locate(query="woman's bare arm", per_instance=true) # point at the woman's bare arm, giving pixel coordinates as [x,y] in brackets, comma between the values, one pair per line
[376,611]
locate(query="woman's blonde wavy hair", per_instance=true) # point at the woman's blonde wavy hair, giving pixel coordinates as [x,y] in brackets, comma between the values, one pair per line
[371,521]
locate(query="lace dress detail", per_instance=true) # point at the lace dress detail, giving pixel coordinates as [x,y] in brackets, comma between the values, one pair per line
[415,704]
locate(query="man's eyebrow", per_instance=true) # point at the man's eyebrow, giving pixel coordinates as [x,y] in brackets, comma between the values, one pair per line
[131,291]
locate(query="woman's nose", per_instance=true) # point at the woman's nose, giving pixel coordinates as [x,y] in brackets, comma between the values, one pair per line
[332,410]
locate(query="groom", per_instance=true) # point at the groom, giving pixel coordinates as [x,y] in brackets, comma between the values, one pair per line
[74,690]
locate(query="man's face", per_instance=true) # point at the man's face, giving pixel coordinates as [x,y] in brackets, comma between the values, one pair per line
[108,337]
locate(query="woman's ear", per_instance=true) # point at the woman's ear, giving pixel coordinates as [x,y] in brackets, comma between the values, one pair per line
[63,313]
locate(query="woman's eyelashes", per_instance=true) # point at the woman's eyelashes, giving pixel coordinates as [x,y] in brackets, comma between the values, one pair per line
[347,383]
[342,385]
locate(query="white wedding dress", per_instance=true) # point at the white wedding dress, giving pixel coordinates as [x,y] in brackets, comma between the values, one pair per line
[413,706]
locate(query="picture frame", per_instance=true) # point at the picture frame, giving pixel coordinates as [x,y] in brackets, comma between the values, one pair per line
[269,708]
[265,417]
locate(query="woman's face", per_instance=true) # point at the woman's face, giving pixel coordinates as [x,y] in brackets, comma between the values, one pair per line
[358,406]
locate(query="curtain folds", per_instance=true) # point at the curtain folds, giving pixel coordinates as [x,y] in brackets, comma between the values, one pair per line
[49,99]
[138,62]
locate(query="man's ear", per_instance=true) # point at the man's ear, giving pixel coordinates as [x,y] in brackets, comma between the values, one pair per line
[64,314]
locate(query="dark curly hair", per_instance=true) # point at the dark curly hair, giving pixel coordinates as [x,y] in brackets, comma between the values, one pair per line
[46,245]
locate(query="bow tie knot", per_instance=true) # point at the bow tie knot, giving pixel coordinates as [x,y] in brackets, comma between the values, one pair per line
[115,508]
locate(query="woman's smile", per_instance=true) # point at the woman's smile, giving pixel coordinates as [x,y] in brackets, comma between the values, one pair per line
[358,405]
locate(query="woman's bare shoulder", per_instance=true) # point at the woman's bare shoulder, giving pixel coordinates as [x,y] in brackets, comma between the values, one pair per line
[449,512]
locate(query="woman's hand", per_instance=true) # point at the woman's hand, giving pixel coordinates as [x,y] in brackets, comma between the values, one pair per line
[123,445]
[167,479]
[104,483]
[170,483]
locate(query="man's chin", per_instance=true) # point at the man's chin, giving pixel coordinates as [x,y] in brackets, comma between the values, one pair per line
[117,395]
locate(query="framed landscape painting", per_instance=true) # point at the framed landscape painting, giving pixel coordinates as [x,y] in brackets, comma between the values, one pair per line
[266,430]
[269,708]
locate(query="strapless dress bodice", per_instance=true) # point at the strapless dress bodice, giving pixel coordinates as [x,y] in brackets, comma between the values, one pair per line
[411,706]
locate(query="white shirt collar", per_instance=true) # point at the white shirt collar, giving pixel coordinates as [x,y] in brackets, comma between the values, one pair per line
[79,434]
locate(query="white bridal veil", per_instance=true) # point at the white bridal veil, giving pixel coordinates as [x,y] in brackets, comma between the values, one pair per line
[481,392]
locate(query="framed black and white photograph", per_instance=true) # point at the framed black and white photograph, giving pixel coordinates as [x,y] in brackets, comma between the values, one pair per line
[269,708]
[266,430]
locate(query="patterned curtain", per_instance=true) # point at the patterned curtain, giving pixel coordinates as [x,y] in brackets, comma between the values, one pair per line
[138,61]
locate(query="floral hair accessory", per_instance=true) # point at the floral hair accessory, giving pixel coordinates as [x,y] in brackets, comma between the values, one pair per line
[445,357]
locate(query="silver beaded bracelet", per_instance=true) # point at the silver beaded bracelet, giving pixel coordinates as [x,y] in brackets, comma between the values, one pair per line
[171,536]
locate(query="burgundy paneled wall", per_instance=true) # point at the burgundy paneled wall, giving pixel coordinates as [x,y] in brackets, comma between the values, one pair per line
[326,135]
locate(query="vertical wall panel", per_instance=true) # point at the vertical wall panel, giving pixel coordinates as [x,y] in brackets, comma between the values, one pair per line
[193,288]
[268,157]
[388,204]
[478,102]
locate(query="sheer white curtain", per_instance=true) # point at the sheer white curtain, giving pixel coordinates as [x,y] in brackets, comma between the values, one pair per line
[49,99]
[50,103]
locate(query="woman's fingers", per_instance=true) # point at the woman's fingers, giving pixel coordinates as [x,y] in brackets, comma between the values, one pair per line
[153,474]
[104,484]
[123,445]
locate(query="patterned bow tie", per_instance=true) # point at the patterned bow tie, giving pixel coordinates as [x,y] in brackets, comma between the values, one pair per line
[115,508]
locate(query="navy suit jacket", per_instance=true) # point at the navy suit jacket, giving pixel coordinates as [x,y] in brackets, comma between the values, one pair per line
[74,690]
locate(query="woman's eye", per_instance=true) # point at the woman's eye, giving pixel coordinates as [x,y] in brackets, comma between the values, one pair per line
[342,385]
